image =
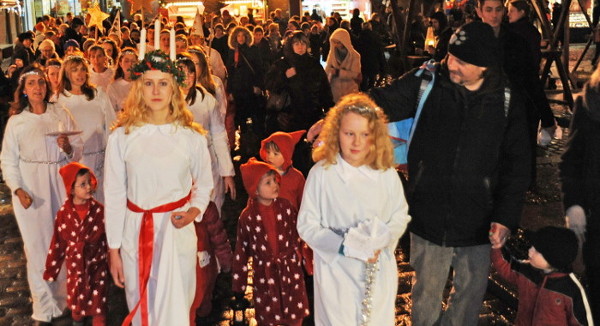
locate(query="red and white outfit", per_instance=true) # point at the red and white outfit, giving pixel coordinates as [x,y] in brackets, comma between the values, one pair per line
[156,166]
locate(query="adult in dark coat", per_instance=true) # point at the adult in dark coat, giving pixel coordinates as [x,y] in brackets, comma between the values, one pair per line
[580,176]
[72,33]
[23,49]
[372,59]
[304,79]
[442,32]
[219,42]
[518,19]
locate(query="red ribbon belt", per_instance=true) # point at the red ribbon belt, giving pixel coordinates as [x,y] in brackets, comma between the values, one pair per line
[145,244]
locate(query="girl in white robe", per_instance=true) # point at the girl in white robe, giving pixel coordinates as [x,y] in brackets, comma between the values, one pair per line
[30,159]
[353,212]
[100,73]
[204,107]
[119,88]
[158,182]
[92,111]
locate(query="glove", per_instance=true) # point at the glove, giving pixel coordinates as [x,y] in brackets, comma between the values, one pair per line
[382,236]
[576,221]
[356,244]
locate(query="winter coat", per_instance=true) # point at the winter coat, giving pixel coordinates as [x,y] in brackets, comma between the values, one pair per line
[246,73]
[344,76]
[443,39]
[532,36]
[220,44]
[82,244]
[469,160]
[552,299]
[279,289]
[309,89]
[580,166]
[370,47]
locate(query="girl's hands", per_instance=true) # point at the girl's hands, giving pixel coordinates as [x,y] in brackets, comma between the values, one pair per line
[64,144]
[24,198]
[116,267]
[230,186]
[181,219]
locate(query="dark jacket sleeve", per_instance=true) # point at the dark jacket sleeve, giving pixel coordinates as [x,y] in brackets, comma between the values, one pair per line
[398,99]
[572,167]
[514,168]
[218,237]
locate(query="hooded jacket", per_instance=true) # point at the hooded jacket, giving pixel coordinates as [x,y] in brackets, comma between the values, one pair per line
[344,76]
[468,162]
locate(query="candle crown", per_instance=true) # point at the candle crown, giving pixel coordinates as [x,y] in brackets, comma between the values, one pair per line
[157,60]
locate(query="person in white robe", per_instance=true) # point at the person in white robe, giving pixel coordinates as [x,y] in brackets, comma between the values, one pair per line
[118,89]
[92,111]
[33,151]
[204,107]
[352,215]
[100,73]
[158,182]
[217,66]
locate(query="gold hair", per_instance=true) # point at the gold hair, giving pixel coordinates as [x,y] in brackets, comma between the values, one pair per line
[136,112]
[381,155]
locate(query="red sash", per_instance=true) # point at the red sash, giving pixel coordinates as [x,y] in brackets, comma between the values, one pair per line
[145,250]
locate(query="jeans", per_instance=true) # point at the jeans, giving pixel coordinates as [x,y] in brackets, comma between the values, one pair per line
[432,264]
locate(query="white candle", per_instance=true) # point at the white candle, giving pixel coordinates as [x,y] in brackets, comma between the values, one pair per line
[157,34]
[142,45]
[172,44]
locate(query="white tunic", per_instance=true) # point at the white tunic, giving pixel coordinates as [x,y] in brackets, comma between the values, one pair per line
[206,113]
[215,62]
[151,166]
[102,79]
[221,96]
[117,92]
[30,160]
[94,118]
[338,198]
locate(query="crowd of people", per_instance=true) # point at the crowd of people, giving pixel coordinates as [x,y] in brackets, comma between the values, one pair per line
[118,153]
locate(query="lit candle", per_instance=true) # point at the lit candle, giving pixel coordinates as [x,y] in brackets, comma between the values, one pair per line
[142,45]
[172,44]
[157,34]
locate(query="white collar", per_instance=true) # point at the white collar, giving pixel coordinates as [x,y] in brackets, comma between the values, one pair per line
[347,171]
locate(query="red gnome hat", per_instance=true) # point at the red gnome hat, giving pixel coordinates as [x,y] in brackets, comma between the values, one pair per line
[286,143]
[252,171]
[69,175]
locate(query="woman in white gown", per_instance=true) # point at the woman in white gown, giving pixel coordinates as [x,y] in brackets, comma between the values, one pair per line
[205,109]
[92,111]
[353,212]
[119,88]
[30,159]
[158,181]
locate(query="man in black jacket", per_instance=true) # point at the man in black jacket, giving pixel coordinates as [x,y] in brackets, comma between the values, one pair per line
[468,169]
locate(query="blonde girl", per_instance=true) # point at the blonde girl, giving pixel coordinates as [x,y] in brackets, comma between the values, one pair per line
[353,212]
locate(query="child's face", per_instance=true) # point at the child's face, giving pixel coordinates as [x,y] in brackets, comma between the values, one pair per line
[82,188]
[537,260]
[275,158]
[268,188]
[355,138]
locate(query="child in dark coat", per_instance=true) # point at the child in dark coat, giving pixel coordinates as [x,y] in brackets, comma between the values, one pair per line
[548,293]
[267,233]
[80,239]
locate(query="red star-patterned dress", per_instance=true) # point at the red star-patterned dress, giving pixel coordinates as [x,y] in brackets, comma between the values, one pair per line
[279,289]
[82,244]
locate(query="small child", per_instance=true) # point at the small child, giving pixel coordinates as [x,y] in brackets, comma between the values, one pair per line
[80,239]
[214,256]
[548,293]
[277,150]
[267,234]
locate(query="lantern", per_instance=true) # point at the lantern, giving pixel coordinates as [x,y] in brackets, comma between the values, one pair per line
[239,305]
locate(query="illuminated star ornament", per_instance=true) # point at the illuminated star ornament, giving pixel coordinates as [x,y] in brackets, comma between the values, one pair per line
[97,16]
[139,4]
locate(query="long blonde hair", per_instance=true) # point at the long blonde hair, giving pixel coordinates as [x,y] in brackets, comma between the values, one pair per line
[136,113]
[381,154]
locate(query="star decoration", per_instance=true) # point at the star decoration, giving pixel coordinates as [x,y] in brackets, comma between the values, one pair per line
[145,5]
[97,16]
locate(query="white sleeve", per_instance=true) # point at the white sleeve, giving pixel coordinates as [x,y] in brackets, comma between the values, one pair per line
[202,181]
[221,96]
[109,113]
[218,135]
[216,63]
[115,189]
[323,241]
[110,91]
[399,217]
[9,157]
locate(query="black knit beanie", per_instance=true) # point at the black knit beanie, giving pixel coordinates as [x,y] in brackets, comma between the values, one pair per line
[557,245]
[475,43]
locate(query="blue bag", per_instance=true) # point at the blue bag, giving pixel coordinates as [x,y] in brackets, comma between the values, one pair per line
[401,132]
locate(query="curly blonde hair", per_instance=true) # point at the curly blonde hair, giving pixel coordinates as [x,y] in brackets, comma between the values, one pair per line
[381,154]
[136,113]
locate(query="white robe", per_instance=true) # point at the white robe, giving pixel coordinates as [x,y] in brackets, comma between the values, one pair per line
[151,166]
[335,199]
[117,92]
[26,159]
[216,62]
[221,96]
[102,79]
[206,113]
[94,118]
